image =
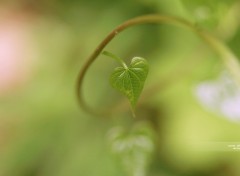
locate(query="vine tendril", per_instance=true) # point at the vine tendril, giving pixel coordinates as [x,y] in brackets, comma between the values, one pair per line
[228,58]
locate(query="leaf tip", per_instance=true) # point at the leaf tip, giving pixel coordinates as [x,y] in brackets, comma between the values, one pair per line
[133,112]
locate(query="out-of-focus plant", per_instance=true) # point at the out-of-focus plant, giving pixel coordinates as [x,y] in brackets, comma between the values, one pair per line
[208,13]
[133,148]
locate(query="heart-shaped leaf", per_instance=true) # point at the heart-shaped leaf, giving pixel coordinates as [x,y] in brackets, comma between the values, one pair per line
[130,80]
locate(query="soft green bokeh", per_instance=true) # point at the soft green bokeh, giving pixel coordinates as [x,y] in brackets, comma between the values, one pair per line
[43,132]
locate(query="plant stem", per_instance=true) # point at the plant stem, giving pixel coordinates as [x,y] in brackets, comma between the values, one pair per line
[228,58]
[106,53]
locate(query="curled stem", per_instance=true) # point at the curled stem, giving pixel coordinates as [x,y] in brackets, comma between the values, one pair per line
[228,58]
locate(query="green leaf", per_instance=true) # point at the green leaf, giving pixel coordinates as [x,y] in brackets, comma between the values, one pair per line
[133,148]
[130,80]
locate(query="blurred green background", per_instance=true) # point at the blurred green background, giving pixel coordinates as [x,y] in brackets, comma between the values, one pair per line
[177,132]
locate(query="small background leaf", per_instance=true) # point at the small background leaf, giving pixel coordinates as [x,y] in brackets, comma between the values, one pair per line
[130,81]
[133,149]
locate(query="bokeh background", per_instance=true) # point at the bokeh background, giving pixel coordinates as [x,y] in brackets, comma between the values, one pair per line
[189,127]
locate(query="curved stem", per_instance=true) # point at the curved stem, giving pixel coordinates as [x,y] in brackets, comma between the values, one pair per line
[228,58]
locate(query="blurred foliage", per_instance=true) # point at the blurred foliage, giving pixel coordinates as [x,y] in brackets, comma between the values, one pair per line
[208,13]
[133,149]
[43,132]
